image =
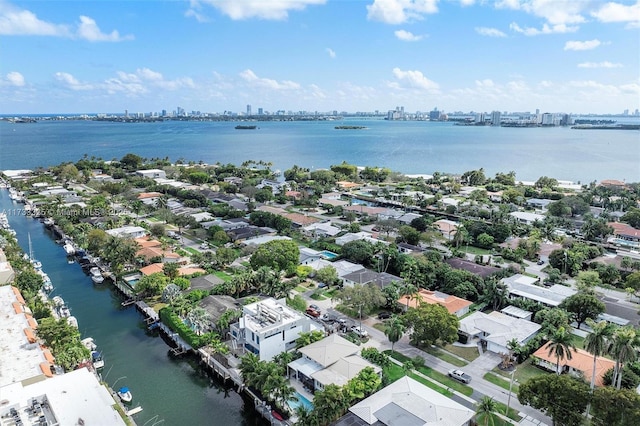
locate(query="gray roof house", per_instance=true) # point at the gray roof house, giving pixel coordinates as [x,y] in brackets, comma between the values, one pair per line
[523,286]
[496,329]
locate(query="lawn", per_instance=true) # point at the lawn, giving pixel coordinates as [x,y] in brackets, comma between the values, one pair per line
[379,326]
[317,296]
[446,356]
[474,250]
[499,381]
[524,372]
[463,352]
[301,289]
[435,375]
[222,275]
[430,384]
[578,341]
[191,250]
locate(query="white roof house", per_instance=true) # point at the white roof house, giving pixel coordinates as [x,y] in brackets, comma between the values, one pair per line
[321,229]
[342,267]
[128,232]
[526,217]
[71,398]
[497,329]
[269,327]
[523,286]
[408,402]
[152,173]
[332,360]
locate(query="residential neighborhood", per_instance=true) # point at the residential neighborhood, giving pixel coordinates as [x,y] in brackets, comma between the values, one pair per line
[355,287]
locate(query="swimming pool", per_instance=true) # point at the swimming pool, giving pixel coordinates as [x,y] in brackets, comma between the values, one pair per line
[301,401]
[328,254]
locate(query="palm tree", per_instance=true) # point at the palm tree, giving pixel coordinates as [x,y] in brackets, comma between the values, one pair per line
[199,319]
[394,329]
[561,345]
[484,411]
[624,348]
[409,290]
[597,342]
[249,363]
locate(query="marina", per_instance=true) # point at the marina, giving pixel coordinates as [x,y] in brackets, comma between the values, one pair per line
[163,386]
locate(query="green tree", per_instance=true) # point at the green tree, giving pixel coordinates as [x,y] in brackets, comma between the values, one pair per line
[432,324]
[170,269]
[632,217]
[624,348]
[562,397]
[307,338]
[484,411]
[364,298]
[29,282]
[327,275]
[131,162]
[358,251]
[612,407]
[597,342]
[582,306]
[281,255]
[330,404]
[362,385]
[152,285]
[561,344]
[394,329]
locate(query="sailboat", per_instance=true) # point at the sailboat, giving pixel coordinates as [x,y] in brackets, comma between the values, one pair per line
[36,263]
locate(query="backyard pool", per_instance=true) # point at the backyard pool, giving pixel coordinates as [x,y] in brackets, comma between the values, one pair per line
[329,255]
[302,401]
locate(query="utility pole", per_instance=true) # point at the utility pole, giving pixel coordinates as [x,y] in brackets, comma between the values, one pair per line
[510,386]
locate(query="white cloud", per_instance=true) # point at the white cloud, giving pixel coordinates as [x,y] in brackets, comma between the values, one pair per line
[605,64]
[400,11]
[330,52]
[88,30]
[71,82]
[546,29]
[267,83]
[15,79]
[195,12]
[616,12]
[412,79]
[467,2]
[15,21]
[261,9]
[582,45]
[555,12]
[407,36]
[490,32]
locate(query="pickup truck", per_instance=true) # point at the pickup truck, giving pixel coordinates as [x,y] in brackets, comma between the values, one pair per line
[460,376]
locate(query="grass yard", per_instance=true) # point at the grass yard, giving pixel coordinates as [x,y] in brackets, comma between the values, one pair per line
[317,296]
[578,341]
[430,384]
[500,381]
[222,275]
[448,357]
[435,375]
[467,353]
[191,250]
[301,289]
[524,372]
[474,250]
[379,326]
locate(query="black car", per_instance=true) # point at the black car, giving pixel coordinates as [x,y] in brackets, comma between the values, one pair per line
[384,315]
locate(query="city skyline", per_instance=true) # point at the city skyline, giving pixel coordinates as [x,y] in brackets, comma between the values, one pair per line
[316,55]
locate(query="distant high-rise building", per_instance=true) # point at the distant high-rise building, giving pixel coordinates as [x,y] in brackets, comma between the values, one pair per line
[126,113]
[626,112]
[479,117]
[537,111]
[496,118]
[248,109]
[164,112]
[435,115]
[260,111]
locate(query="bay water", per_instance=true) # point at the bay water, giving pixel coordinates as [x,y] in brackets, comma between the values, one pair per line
[412,147]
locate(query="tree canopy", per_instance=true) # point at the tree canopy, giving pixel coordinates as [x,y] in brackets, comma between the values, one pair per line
[281,255]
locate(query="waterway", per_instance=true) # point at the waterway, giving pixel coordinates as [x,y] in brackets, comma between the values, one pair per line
[170,391]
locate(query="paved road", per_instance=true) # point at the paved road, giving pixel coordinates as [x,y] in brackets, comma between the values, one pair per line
[477,369]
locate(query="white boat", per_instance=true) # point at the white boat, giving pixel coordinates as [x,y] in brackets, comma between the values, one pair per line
[89,343]
[36,263]
[73,321]
[125,394]
[57,301]
[64,311]
[48,221]
[47,285]
[96,275]
[69,248]
[96,359]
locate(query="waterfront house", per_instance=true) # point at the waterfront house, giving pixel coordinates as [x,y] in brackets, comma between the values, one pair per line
[205,282]
[472,267]
[624,235]
[308,255]
[320,230]
[454,305]
[526,217]
[128,232]
[495,330]
[524,286]
[269,327]
[407,402]
[342,267]
[580,365]
[152,173]
[332,360]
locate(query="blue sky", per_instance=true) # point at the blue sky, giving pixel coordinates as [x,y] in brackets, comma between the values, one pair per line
[579,56]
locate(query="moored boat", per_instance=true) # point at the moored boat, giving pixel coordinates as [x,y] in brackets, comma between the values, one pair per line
[125,394]
[69,248]
[89,343]
[96,275]
[96,359]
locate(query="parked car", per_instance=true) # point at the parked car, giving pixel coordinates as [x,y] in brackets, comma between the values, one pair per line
[312,312]
[460,376]
[322,285]
[384,315]
[359,331]
[204,246]
[328,318]
[540,262]
[315,308]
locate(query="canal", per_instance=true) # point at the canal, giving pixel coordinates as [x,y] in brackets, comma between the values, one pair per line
[170,391]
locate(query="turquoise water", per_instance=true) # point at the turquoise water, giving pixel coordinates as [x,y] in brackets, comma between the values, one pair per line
[328,254]
[407,147]
[301,401]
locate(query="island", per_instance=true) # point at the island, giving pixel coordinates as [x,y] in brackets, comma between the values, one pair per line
[245,127]
[350,127]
